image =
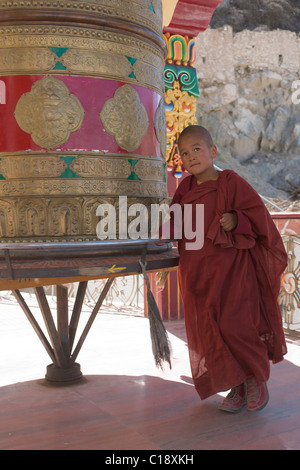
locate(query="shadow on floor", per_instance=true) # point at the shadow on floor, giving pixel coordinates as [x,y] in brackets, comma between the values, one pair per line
[112,412]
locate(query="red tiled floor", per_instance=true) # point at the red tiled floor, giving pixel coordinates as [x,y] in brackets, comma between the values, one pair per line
[125,402]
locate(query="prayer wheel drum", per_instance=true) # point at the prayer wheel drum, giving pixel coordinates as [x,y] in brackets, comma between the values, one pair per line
[82,114]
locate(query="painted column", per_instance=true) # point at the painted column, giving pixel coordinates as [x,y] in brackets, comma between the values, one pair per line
[183,20]
[181,91]
[81,112]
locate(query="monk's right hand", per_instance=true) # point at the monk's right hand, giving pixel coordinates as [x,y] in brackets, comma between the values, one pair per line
[229,221]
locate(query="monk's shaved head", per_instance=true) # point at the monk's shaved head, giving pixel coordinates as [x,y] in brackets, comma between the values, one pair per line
[196,130]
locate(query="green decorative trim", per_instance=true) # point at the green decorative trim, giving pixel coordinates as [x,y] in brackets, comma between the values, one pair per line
[59,66]
[151,7]
[133,176]
[59,51]
[165,172]
[1,176]
[132,61]
[186,76]
[68,173]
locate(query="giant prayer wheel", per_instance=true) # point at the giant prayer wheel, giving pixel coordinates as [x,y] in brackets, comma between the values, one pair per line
[81,114]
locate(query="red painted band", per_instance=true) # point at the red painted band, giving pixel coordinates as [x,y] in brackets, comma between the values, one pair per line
[92,94]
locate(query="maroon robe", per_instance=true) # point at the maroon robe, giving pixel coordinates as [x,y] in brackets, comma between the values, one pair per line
[230,287]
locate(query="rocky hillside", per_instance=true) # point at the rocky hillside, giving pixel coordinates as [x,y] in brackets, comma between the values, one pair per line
[252,14]
[256,129]
[246,74]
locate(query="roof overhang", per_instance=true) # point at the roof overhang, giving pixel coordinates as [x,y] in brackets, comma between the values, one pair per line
[188,17]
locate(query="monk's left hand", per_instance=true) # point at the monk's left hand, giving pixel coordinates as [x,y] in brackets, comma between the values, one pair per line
[229,221]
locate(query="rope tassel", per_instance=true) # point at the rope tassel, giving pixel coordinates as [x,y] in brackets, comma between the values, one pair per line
[159,337]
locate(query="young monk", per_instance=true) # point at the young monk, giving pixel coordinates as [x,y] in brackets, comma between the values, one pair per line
[230,286]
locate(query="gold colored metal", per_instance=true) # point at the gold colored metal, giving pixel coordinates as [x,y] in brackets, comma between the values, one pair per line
[38,204]
[144,13]
[84,165]
[96,62]
[22,60]
[88,52]
[150,170]
[31,166]
[73,186]
[92,166]
[58,219]
[125,117]
[49,113]
[52,195]
[160,126]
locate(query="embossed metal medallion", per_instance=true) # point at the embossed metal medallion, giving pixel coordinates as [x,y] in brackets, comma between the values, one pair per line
[125,118]
[49,113]
[160,126]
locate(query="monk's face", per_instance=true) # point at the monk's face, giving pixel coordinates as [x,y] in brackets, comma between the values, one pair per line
[197,156]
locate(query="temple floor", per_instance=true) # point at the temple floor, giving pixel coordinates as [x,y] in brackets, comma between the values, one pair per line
[124,402]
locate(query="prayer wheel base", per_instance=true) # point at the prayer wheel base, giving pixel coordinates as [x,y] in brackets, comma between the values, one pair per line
[59,375]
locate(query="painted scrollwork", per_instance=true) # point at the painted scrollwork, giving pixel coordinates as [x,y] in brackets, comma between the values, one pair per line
[180,113]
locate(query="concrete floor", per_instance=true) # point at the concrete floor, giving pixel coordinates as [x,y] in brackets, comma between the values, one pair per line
[124,402]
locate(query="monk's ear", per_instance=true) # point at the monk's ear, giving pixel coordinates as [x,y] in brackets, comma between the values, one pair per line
[214,151]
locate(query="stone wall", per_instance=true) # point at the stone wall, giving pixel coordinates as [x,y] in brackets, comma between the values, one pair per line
[245,81]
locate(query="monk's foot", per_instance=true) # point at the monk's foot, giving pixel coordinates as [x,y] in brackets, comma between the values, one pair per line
[235,400]
[257,394]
